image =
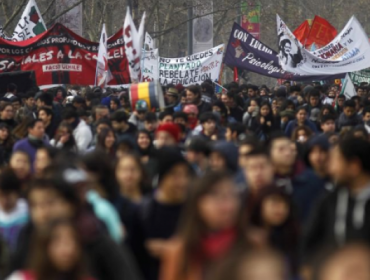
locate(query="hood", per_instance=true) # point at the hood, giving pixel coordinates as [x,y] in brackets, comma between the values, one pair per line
[230,152]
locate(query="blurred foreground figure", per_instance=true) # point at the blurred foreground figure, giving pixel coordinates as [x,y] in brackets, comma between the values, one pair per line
[349,263]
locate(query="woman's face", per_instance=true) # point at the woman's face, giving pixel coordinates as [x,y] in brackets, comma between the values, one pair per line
[109,140]
[143,141]
[64,250]
[128,173]
[253,104]
[219,209]
[263,92]
[326,112]
[265,110]
[4,134]
[302,136]
[275,210]
[21,165]
[42,161]
[7,113]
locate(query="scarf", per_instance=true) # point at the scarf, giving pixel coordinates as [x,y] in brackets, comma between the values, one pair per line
[192,121]
[35,142]
[215,245]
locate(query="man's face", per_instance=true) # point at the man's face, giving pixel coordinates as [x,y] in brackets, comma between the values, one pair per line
[171,99]
[301,116]
[341,102]
[366,117]
[339,167]
[282,152]
[314,101]
[217,162]
[209,127]
[167,119]
[16,105]
[113,106]
[175,183]
[30,102]
[360,92]
[38,130]
[318,158]
[349,111]
[224,99]
[39,103]
[229,135]
[190,97]
[251,92]
[141,115]
[117,126]
[44,117]
[328,126]
[180,121]
[259,172]
[8,200]
[101,113]
[150,126]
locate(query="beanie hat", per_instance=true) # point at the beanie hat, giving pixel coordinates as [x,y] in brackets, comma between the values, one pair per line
[191,109]
[171,128]
[168,157]
[180,88]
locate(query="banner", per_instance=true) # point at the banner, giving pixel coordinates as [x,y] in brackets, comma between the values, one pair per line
[250,20]
[134,42]
[73,18]
[30,24]
[247,53]
[3,35]
[348,89]
[359,77]
[321,33]
[349,51]
[150,70]
[103,75]
[202,25]
[193,69]
[148,42]
[60,56]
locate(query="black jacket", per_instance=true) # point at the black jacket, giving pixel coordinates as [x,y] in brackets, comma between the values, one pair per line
[339,218]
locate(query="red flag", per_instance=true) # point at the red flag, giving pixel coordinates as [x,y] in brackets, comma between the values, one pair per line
[321,33]
[236,76]
[302,31]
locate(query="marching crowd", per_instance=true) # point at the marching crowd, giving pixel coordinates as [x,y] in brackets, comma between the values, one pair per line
[253,183]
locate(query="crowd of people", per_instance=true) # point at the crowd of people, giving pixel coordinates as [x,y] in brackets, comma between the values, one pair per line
[253,183]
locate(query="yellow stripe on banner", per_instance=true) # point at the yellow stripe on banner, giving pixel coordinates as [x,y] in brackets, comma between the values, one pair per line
[143,93]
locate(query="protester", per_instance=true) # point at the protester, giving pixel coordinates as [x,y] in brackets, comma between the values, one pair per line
[64,138]
[194,97]
[6,144]
[7,115]
[145,145]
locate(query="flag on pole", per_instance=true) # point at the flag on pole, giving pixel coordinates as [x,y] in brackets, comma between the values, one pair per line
[103,75]
[348,89]
[30,24]
[219,89]
[133,45]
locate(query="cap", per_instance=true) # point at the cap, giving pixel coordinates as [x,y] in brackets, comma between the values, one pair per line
[172,91]
[141,106]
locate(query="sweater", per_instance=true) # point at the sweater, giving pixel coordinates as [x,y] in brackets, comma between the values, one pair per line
[83,136]
[294,124]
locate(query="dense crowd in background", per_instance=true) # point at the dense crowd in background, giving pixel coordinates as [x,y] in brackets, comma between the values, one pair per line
[254,183]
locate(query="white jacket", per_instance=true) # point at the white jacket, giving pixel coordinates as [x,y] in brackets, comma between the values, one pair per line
[83,136]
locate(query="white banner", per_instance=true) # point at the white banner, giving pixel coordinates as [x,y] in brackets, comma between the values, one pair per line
[103,75]
[148,42]
[150,71]
[193,69]
[348,52]
[133,44]
[30,24]
[73,18]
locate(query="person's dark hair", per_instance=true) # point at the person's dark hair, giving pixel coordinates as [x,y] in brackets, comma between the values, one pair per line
[325,118]
[9,142]
[342,96]
[102,135]
[192,228]
[33,122]
[358,129]
[237,127]
[104,121]
[180,115]
[314,92]
[70,113]
[287,103]
[71,143]
[349,103]
[208,88]
[306,129]
[47,110]
[358,149]
[30,94]
[9,182]
[40,261]
[15,99]
[52,152]
[150,117]
[206,117]
[12,87]
[196,90]
[276,135]
[295,88]
[365,110]
[46,98]
[301,108]
[115,100]
[119,116]
[258,150]
[164,114]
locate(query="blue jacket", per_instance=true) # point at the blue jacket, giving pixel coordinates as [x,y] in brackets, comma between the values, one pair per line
[294,124]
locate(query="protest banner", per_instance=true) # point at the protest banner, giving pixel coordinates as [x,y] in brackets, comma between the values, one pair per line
[103,75]
[150,68]
[133,39]
[359,77]
[349,51]
[191,69]
[3,35]
[250,19]
[30,24]
[247,53]
[60,56]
